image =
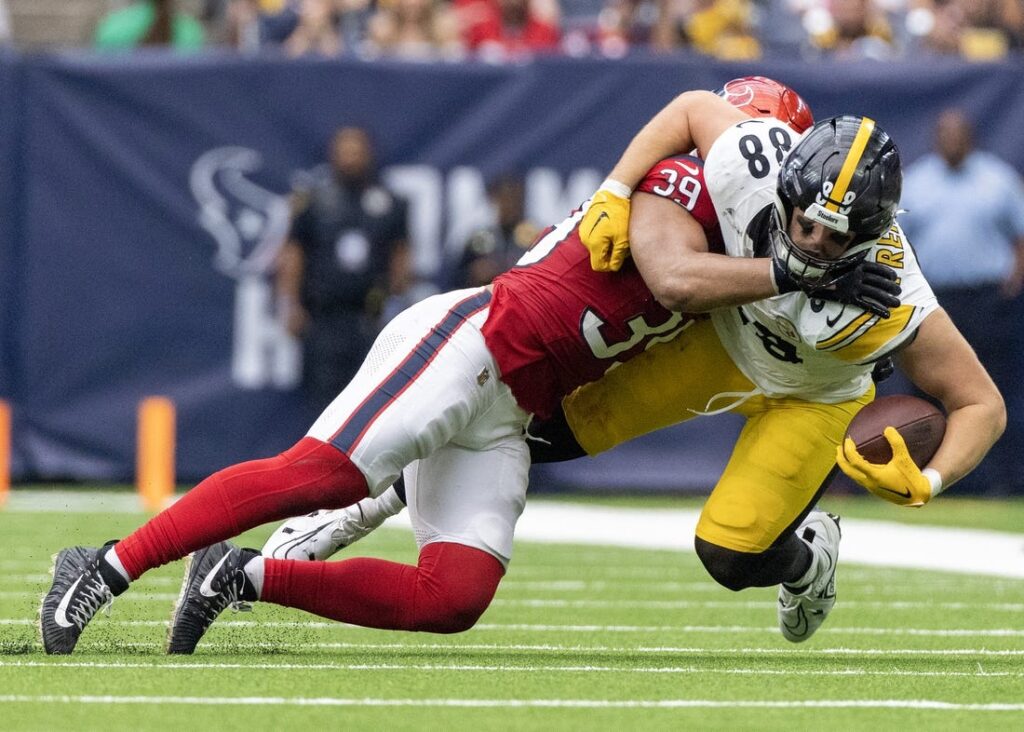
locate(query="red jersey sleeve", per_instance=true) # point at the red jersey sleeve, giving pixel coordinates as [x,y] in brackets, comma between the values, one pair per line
[681,180]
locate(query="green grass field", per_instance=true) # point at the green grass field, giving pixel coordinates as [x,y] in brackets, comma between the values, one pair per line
[577,638]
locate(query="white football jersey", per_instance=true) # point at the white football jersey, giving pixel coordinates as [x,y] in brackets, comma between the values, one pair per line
[792,345]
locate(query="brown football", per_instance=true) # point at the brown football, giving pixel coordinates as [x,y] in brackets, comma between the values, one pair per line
[921,424]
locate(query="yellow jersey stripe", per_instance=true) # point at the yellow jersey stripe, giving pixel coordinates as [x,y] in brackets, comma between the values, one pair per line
[878,337]
[860,141]
[845,332]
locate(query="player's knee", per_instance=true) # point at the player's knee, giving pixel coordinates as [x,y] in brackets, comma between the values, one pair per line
[455,585]
[453,610]
[732,569]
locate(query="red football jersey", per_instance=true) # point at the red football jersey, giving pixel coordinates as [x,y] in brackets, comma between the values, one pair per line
[555,323]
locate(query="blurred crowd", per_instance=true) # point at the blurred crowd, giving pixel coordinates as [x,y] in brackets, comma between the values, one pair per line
[511,30]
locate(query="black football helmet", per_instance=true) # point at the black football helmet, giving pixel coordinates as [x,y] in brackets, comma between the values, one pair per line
[844,174]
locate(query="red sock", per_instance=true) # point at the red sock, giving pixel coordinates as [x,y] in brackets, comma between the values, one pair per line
[308,476]
[445,593]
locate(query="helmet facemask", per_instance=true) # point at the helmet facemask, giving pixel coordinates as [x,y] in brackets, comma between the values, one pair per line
[809,271]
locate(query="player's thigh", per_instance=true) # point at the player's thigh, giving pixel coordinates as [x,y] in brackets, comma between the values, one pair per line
[420,386]
[782,462]
[470,497]
[667,384]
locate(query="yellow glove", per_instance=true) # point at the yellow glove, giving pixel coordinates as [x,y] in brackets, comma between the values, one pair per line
[604,229]
[898,481]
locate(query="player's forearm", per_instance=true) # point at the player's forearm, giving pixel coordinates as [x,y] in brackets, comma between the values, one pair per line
[667,133]
[970,433]
[703,282]
[941,362]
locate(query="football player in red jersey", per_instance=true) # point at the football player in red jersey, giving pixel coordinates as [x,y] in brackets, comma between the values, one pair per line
[449,385]
[322,533]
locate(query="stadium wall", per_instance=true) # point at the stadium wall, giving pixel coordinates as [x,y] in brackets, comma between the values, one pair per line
[145,196]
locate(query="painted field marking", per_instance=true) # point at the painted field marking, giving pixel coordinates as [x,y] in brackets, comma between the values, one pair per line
[682,670]
[1010,607]
[542,628]
[263,646]
[516,703]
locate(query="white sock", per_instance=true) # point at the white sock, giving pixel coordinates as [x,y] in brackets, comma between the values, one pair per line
[387,504]
[114,561]
[254,571]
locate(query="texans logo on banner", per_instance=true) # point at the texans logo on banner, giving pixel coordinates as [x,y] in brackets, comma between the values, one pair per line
[248,224]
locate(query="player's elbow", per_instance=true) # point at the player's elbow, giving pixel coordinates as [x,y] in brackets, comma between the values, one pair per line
[996,407]
[676,291]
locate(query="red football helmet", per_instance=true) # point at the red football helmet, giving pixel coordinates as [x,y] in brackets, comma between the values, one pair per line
[760,96]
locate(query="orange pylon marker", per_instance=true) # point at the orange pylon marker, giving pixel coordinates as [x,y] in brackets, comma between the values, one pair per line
[154,471]
[5,451]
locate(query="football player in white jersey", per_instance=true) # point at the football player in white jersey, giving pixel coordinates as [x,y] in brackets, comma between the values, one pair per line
[799,217]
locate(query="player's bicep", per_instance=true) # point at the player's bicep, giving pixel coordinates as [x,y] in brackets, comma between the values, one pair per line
[942,363]
[662,236]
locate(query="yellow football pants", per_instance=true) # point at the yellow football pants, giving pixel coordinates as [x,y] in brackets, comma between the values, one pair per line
[780,462]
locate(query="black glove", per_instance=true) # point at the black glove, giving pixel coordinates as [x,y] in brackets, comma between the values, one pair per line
[867,285]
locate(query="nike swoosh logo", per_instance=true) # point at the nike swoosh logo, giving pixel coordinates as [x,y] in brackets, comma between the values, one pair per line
[602,215]
[691,169]
[832,321]
[905,493]
[206,589]
[60,616]
[800,627]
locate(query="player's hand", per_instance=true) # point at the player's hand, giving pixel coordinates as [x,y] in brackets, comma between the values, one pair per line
[899,481]
[868,285]
[604,229]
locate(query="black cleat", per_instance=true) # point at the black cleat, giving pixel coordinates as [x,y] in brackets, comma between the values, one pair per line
[214,580]
[82,584]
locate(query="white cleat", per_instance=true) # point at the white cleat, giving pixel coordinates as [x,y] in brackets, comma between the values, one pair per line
[320,534]
[801,614]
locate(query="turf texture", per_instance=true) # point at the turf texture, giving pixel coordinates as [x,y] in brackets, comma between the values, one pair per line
[578,638]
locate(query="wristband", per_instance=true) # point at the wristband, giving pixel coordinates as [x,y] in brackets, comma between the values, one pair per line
[934,479]
[613,186]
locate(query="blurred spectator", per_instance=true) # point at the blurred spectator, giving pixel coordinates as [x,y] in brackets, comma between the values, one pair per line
[722,28]
[333,270]
[978,30]
[318,30]
[493,249]
[850,29]
[965,217]
[235,23]
[414,29]
[5,24]
[508,29]
[149,23]
[626,24]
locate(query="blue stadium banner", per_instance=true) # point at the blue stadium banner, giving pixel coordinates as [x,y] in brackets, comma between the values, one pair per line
[145,198]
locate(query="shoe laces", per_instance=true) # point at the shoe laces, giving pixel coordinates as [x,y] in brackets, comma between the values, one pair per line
[92,596]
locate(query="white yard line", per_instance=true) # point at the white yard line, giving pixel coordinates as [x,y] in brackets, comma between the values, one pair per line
[1007,607]
[681,670]
[234,647]
[876,543]
[595,628]
[516,703]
